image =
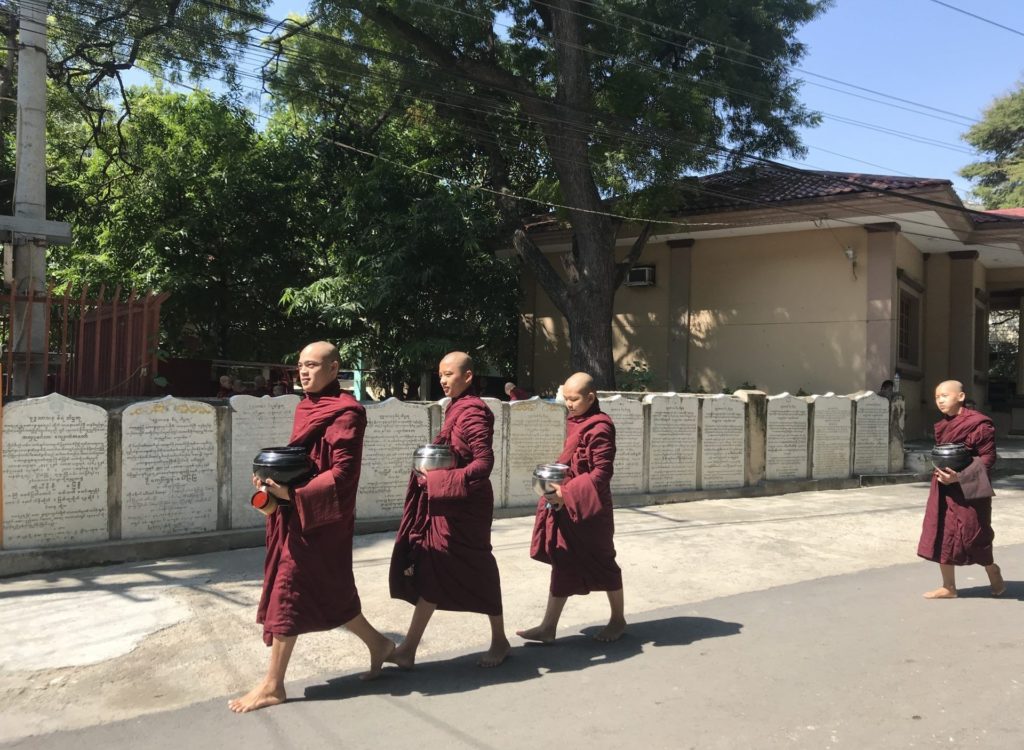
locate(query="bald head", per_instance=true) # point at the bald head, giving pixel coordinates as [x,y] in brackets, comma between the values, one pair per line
[951,385]
[580,382]
[950,397]
[324,351]
[460,360]
[319,363]
[580,394]
[455,373]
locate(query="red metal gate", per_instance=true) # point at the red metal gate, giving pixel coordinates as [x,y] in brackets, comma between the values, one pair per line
[97,346]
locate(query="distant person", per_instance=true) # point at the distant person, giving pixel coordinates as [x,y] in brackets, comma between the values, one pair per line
[259,386]
[238,387]
[886,390]
[515,393]
[308,585]
[574,528]
[957,527]
[226,389]
[278,390]
[442,557]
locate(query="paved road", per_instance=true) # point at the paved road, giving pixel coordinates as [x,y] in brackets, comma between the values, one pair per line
[814,635]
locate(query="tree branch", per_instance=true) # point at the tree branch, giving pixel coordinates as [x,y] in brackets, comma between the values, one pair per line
[549,279]
[622,268]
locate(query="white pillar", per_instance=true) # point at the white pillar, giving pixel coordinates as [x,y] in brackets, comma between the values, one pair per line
[30,199]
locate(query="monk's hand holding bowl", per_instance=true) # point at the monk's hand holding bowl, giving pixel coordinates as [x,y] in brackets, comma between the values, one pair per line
[947,476]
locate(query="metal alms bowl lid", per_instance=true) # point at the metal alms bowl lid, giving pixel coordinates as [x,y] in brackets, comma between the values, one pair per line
[551,472]
[283,456]
[950,450]
[432,450]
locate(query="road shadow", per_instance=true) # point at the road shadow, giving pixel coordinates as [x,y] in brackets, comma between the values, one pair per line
[526,662]
[1014,592]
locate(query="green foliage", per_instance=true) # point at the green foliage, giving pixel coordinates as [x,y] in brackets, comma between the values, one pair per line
[636,377]
[202,207]
[999,179]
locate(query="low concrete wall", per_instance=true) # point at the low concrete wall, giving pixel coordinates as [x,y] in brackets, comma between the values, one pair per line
[86,485]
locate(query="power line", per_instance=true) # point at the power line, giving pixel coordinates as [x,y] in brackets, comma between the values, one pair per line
[980,18]
[745,157]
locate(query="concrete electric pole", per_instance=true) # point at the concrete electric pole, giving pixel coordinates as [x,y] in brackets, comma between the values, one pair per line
[29,337]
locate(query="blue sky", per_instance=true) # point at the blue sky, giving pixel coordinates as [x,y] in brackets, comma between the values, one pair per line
[917,50]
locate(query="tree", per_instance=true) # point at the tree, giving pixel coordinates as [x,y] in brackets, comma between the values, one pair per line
[93,44]
[614,106]
[1000,135]
[211,212]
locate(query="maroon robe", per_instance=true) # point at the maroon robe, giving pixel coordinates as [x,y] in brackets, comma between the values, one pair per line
[577,540]
[957,528]
[445,532]
[307,576]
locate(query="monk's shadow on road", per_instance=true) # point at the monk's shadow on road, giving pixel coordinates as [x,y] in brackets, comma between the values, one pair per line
[527,662]
[1014,592]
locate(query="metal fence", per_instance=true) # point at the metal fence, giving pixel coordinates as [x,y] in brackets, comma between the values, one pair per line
[98,344]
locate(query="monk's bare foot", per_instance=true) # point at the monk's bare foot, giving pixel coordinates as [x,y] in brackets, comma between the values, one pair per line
[496,654]
[612,631]
[261,696]
[377,658]
[941,593]
[539,633]
[995,578]
[401,657]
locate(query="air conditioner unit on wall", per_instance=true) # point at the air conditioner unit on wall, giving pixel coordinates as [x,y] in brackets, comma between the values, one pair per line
[640,276]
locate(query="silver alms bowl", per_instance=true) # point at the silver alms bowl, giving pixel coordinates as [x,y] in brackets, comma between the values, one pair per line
[546,474]
[432,456]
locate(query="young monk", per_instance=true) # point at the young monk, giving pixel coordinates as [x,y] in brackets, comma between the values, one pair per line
[957,528]
[307,575]
[574,534]
[442,557]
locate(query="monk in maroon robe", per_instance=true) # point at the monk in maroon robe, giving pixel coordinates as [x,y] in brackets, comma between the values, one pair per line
[957,528]
[308,584]
[574,526]
[442,557]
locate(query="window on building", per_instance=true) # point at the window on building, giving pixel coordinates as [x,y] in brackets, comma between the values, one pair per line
[908,334]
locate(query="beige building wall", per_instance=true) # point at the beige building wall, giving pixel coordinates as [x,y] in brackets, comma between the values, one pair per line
[780,311]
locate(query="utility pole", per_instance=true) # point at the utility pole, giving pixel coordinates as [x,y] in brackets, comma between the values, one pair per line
[29,337]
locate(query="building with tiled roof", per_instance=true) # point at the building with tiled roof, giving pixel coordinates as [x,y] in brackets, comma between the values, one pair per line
[801,280]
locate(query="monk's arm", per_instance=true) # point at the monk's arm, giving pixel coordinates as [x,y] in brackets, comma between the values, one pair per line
[475,430]
[330,496]
[584,495]
[601,452]
[983,438]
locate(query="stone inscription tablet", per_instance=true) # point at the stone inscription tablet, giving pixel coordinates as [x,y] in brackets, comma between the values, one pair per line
[830,457]
[628,416]
[536,432]
[672,443]
[168,468]
[786,448]
[394,429]
[498,474]
[54,472]
[871,437]
[722,442]
[256,423]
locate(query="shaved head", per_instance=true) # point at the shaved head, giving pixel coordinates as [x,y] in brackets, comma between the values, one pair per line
[461,360]
[580,382]
[950,397]
[954,386]
[455,373]
[319,363]
[323,351]
[580,394]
